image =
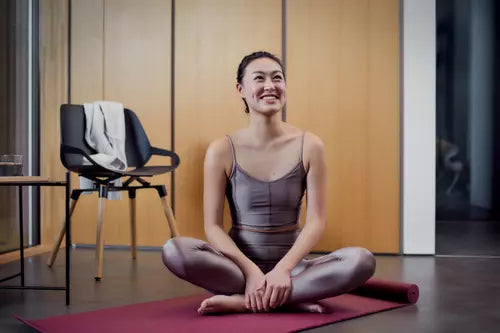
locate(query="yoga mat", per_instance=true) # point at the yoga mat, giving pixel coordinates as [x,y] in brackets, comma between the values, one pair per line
[179,314]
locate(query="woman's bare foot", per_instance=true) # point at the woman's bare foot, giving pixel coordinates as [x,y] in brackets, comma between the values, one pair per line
[236,303]
[307,307]
[223,303]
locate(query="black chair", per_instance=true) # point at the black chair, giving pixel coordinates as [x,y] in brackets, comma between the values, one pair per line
[138,151]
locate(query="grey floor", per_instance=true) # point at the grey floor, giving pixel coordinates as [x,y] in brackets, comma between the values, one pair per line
[468,238]
[456,294]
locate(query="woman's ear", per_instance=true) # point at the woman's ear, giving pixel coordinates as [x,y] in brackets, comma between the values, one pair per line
[239,88]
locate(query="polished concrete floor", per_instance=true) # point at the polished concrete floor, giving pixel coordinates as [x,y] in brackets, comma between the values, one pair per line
[468,238]
[456,294]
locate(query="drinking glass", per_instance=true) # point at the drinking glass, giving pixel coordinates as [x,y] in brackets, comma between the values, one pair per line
[11,165]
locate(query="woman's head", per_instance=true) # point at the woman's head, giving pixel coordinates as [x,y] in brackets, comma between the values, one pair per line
[261,82]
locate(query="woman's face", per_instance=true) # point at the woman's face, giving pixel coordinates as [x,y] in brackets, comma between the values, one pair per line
[263,86]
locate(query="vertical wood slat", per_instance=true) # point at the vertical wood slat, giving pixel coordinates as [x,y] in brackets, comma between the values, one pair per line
[208,52]
[343,85]
[53,93]
[125,57]
[87,85]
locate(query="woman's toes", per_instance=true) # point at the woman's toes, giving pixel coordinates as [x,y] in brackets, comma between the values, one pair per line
[204,306]
[317,308]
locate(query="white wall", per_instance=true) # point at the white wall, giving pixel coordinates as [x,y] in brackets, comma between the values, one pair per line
[418,126]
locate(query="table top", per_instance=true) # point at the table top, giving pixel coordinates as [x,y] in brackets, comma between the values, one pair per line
[20,180]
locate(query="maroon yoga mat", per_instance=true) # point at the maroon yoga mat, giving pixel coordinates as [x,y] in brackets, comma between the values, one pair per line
[179,314]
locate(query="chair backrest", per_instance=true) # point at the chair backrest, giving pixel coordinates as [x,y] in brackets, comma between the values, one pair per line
[137,146]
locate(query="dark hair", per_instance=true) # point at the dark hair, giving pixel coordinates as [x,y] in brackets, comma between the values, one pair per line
[248,59]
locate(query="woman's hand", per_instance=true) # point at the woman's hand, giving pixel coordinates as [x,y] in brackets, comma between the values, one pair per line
[254,290]
[278,288]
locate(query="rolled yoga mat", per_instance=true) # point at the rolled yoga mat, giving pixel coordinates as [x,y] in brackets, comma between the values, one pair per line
[179,314]
[388,290]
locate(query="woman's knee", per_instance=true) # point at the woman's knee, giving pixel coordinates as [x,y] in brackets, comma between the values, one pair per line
[365,263]
[176,254]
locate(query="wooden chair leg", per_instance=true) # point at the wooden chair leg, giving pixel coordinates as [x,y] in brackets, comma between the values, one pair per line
[131,195]
[62,231]
[170,217]
[100,233]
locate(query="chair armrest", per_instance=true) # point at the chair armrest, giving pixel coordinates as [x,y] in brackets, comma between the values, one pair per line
[163,152]
[66,149]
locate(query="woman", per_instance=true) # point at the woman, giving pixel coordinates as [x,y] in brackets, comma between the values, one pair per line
[264,170]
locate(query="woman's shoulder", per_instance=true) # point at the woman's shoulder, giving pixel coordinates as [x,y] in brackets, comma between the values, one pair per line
[313,148]
[219,147]
[308,136]
[219,155]
[312,140]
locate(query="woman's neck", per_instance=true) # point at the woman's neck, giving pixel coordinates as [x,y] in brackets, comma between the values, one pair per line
[265,128]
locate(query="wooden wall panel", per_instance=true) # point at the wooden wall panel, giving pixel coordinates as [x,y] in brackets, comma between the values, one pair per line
[343,85]
[137,62]
[211,39]
[129,42]
[53,93]
[87,85]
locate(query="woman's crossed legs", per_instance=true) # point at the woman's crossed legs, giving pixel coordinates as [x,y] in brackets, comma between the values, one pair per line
[312,280]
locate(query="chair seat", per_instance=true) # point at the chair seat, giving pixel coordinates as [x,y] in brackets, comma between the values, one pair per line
[148,171]
[145,171]
[92,171]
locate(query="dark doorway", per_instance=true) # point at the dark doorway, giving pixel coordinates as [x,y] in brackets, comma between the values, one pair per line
[467,145]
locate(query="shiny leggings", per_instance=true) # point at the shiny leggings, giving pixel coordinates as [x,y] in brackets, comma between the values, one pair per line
[330,275]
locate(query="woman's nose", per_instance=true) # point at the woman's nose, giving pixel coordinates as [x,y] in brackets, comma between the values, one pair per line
[268,84]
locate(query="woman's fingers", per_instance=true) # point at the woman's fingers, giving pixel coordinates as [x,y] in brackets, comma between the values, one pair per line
[253,303]
[267,297]
[274,298]
[258,299]
[247,301]
[286,294]
[280,296]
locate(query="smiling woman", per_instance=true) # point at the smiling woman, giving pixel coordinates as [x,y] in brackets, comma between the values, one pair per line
[264,170]
[260,79]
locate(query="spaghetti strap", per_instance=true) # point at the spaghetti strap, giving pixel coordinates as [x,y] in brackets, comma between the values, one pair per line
[233,153]
[302,147]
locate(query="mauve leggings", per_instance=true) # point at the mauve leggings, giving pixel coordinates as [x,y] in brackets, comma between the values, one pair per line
[333,274]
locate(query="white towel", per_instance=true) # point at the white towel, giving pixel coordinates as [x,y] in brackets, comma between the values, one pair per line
[105,133]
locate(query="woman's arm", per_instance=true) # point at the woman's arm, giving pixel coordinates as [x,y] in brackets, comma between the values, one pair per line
[215,179]
[278,280]
[316,205]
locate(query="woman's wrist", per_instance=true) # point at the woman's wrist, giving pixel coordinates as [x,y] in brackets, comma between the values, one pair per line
[284,266]
[250,268]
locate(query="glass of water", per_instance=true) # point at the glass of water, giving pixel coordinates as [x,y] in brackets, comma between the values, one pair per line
[11,165]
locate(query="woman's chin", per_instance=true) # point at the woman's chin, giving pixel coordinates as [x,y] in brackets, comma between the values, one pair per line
[268,110]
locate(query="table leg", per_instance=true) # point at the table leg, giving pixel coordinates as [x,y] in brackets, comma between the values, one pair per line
[21,232]
[68,237]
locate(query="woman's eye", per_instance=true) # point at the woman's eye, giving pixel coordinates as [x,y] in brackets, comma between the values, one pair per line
[259,77]
[278,77]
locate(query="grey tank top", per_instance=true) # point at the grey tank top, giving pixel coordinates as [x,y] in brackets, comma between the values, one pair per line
[265,205]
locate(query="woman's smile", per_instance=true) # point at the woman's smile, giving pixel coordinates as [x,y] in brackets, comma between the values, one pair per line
[270,98]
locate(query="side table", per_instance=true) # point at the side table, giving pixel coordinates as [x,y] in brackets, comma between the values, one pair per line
[20,182]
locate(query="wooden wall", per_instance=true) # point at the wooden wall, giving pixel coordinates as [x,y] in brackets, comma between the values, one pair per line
[342,79]
[121,52]
[207,106]
[53,92]
[343,85]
